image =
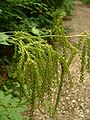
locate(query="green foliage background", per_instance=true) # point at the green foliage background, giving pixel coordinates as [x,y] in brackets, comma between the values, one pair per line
[32,16]
[86,1]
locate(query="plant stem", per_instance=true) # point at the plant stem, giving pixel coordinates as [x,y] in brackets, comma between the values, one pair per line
[66,36]
[60,86]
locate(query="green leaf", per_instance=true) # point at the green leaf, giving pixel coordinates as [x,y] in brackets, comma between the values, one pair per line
[2,111]
[0,10]
[17,116]
[4,117]
[35,31]
[1,95]
[3,38]
[4,43]
[10,108]
[7,99]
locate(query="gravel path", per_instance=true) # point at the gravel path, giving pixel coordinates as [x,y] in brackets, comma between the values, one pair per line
[75,101]
[80,20]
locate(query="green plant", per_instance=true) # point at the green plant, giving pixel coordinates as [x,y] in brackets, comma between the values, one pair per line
[33,71]
[3,38]
[83,45]
[37,64]
[10,107]
[37,68]
[31,16]
[86,1]
[25,15]
[68,6]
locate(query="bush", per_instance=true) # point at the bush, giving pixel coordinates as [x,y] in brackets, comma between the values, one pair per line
[25,15]
[32,16]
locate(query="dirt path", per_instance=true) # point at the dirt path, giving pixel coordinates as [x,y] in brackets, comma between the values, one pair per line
[81,19]
[75,101]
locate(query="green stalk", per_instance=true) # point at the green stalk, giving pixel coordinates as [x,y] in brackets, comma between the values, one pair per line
[66,36]
[83,62]
[60,86]
[88,54]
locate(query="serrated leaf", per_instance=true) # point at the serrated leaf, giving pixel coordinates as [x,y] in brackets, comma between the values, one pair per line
[14,101]
[7,99]
[14,115]
[2,110]
[10,108]
[3,117]
[17,116]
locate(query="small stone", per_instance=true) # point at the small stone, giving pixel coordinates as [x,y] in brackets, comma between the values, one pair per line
[82,115]
[67,98]
[82,105]
[70,108]
[77,108]
[63,112]
[67,91]
[87,111]
[73,101]
[69,102]
[63,107]
[79,99]
[63,103]
[69,95]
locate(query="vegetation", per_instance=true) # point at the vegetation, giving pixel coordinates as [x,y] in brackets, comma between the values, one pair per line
[10,108]
[86,1]
[34,47]
[30,16]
